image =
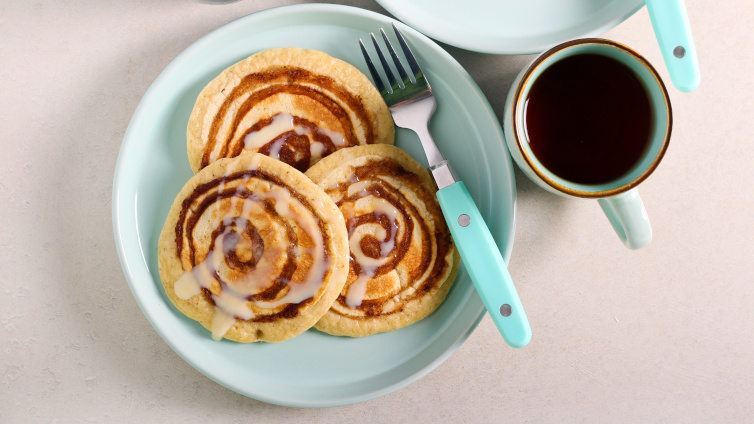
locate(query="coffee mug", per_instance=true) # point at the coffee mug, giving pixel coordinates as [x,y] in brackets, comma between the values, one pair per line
[591,118]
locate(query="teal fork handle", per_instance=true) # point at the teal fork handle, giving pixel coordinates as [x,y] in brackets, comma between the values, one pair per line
[671,24]
[485,264]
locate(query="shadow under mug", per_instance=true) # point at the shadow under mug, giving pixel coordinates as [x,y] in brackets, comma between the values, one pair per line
[619,198]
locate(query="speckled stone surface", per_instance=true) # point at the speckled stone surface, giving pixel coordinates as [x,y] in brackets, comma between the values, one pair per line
[663,334]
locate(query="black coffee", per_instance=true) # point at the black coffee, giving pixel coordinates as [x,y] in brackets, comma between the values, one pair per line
[588,119]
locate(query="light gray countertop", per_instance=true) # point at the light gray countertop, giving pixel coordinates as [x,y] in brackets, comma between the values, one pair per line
[663,334]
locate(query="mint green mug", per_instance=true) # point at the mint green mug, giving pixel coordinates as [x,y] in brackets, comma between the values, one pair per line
[618,197]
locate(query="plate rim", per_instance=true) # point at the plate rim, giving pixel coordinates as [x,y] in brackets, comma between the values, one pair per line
[120,178]
[488,47]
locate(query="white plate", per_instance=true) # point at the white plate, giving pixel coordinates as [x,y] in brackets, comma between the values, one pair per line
[511,26]
[313,369]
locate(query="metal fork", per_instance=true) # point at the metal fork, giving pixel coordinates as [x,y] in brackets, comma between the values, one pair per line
[412,104]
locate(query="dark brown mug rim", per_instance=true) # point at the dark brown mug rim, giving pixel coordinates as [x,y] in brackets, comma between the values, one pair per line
[517,101]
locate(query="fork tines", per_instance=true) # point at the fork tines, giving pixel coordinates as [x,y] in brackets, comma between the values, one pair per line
[393,83]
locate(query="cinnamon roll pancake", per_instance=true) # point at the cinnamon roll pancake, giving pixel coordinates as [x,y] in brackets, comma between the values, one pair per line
[253,250]
[402,257]
[291,104]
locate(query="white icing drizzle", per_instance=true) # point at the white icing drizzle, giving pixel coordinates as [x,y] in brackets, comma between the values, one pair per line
[358,289]
[316,273]
[275,149]
[383,207]
[368,265]
[335,137]
[221,323]
[282,123]
[359,187]
[316,150]
[187,287]
[232,301]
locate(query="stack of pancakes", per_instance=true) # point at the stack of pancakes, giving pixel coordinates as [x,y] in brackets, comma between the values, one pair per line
[256,250]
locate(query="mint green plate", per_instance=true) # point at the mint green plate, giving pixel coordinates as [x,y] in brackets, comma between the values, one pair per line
[313,369]
[511,26]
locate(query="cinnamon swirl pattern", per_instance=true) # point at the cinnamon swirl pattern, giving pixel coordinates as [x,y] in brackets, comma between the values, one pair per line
[291,104]
[253,250]
[402,258]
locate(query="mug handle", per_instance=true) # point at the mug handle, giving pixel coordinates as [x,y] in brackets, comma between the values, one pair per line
[628,217]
